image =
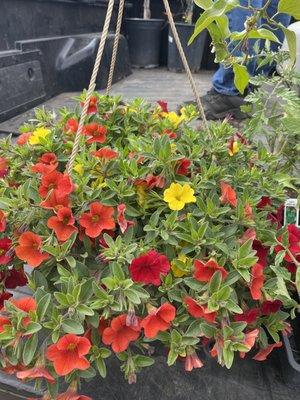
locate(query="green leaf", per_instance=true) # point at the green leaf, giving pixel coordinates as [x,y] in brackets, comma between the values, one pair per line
[132,296]
[260,33]
[208,330]
[217,9]
[297,280]
[101,367]
[143,361]
[194,329]
[291,41]
[83,309]
[241,77]
[33,327]
[71,326]
[43,305]
[290,7]
[228,354]
[172,357]
[30,349]
[215,282]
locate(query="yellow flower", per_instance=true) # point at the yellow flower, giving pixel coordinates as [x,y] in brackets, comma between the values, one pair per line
[234,148]
[99,183]
[37,135]
[79,169]
[177,271]
[177,196]
[174,118]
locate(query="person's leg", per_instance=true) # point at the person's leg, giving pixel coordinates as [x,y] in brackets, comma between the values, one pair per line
[223,79]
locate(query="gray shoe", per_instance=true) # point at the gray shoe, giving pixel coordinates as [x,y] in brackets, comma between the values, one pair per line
[219,106]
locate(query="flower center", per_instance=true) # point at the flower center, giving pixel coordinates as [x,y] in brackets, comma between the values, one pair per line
[71,346]
[66,220]
[95,218]
[2,252]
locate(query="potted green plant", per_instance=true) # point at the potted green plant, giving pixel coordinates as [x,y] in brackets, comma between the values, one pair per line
[185,29]
[144,38]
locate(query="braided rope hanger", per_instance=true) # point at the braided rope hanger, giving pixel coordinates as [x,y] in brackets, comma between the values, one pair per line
[92,84]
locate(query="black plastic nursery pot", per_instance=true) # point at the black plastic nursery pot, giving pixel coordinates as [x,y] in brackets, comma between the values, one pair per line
[290,359]
[193,53]
[144,40]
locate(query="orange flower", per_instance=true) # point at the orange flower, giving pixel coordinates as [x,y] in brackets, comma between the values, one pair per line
[2,221]
[204,271]
[248,211]
[228,195]
[54,201]
[122,221]
[35,373]
[249,340]
[105,153]
[192,361]
[98,219]
[63,224]
[71,126]
[56,182]
[71,395]
[158,320]
[92,107]
[257,281]
[3,167]
[23,139]
[263,354]
[68,354]
[47,163]
[25,304]
[198,311]
[95,132]
[29,249]
[119,335]
[3,323]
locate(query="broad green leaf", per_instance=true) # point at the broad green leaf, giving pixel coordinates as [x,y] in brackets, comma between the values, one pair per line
[215,282]
[70,326]
[260,33]
[33,327]
[291,41]
[241,77]
[297,280]
[143,361]
[30,349]
[101,367]
[291,7]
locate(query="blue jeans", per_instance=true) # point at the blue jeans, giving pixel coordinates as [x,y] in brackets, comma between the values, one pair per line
[223,78]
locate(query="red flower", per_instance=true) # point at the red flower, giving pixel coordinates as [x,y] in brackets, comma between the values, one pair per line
[35,373]
[29,249]
[171,134]
[68,354]
[71,126]
[198,311]
[294,243]
[3,297]
[63,224]
[257,281]
[99,218]
[264,202]
[228,194]
[23,139]
[105,153]
[158,320]
[263,354]
[71,395]
[95,132]
[13,278]
[151,181]
[192,361]
[54,201]
[270,307]
[3,167]
[248,211]
[5,246]
[119,335]
[3,323]
[56,182]
[149,267]
[248,316]
[163,105]
[92,108]
[2,221]
[261,252]
[46,164]
[183,167]
[122,221]
[204,271]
